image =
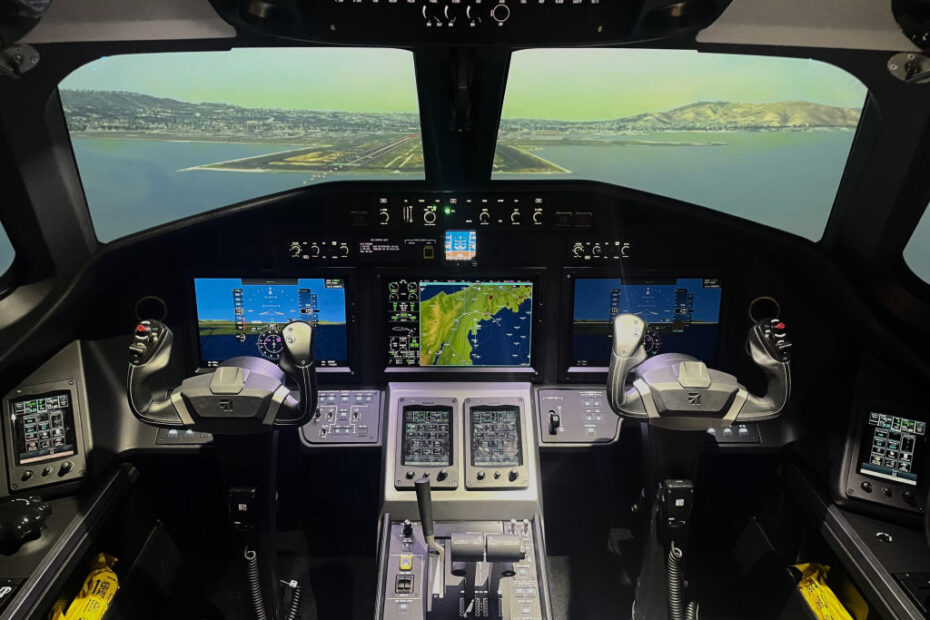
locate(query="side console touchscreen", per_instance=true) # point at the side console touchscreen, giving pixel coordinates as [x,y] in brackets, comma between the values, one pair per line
[43,436]
[495,444]
[427,440]
[889,466]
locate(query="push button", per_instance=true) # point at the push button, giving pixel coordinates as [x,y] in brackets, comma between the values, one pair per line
[46,472]
[405,562]
[26,475]
[65,468]
[866,486]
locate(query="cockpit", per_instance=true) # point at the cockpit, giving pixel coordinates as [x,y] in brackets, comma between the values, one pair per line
[462,309]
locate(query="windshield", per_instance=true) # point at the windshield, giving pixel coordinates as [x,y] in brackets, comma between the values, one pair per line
[917,250]
[158,137]
[7,253]
[761,138]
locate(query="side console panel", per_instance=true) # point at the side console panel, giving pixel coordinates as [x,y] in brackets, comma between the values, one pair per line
[46,430]
[885,462]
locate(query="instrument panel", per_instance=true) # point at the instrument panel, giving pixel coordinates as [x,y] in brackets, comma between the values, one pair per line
[410,284]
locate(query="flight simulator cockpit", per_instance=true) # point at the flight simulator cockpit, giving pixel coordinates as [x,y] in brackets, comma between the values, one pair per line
[478,309]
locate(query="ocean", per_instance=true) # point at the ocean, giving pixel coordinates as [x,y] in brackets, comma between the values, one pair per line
[784,179]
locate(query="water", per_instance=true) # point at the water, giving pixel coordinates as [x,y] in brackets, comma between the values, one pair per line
[132,185]
[784,179]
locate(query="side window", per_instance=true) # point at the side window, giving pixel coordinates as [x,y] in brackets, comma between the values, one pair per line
[917,250]
[7,253]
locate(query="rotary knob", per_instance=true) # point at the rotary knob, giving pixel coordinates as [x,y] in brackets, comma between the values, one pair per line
[484,217]
[429,216]
[578,250]
[515,216]
[596,250]
[500,13]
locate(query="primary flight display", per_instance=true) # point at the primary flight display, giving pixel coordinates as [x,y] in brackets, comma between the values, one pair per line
[239,316]
[682,315]
[459,323]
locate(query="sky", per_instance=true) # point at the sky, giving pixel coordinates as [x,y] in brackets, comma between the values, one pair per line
[345,79]
[565,84]
[599,84]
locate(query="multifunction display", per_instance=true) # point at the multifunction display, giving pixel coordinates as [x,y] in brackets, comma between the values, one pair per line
[892,447]
[681,315]
[495,436]
[238,316]
[459,323]
[43,427]
[427,435]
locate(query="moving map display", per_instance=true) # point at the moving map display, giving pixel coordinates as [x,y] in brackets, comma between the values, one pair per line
[682,316]
[237,316]
[459,323]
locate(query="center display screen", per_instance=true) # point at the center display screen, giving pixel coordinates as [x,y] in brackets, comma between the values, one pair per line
[681,315]
[427,436]
[495,436]
[459,323]
[892,447]
[239,316]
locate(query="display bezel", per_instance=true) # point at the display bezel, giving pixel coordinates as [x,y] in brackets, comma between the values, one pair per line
[18,431]
[449,410]
[866,430]
[597,374]
[471,411]
[477,373]
[347,275]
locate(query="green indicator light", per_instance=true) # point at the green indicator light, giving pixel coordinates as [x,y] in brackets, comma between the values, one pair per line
[447,210]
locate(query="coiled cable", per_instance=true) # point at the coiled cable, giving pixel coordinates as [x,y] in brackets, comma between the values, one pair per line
[673,579]
[293,609]
[255,585]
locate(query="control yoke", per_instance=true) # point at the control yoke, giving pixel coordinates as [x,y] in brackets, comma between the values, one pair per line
[243,394]
[679,392]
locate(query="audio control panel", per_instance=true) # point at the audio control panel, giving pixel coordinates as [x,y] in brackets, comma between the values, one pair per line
[576,417]
[345,417]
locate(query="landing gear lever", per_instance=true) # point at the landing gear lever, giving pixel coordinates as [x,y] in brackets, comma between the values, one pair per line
[425,505]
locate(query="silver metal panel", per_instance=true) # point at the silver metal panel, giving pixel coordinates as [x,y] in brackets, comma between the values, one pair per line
[129,20]
[846,24]
[461,504]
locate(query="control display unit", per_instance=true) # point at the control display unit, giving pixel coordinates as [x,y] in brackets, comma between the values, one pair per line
[892,448]
[43,427]
[423,445]
[239,316]
[459,323]
[427,435]
[682,316]
[495,436]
